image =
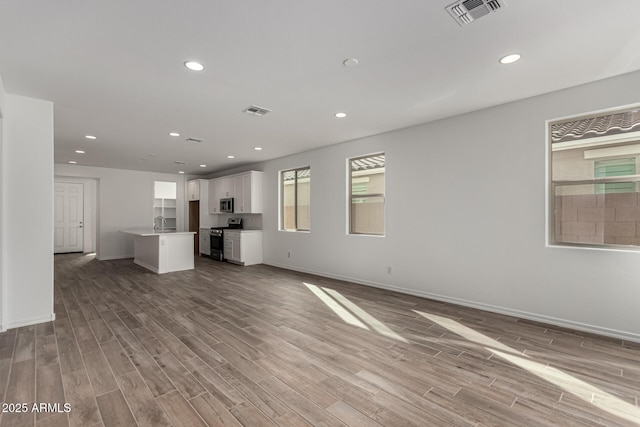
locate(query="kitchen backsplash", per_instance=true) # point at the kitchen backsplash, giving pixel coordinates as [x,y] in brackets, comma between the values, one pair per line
[249,221]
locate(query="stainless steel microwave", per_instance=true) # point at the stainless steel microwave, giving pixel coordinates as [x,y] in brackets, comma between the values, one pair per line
[226,205]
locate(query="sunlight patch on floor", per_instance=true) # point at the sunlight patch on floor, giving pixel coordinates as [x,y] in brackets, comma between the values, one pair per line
[579,388]
[466,332]
[351,313]
[374,323]
[337,308]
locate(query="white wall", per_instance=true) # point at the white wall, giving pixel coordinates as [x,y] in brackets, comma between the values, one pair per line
[2,300]
[27,211]
[124,201]
[471,226]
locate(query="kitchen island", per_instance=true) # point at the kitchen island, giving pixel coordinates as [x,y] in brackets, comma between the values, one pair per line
[163,252]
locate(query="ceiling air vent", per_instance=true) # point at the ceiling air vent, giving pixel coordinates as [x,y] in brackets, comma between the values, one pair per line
[194,140]
[467,11]
[257,111]
[180,162]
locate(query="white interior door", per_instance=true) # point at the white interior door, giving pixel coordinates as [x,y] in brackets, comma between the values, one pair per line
[68,217]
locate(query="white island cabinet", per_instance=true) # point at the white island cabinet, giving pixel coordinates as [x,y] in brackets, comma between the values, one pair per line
[163,252]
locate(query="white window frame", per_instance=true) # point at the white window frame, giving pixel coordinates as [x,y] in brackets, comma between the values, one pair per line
[281,201]
[595,142]
[350,196]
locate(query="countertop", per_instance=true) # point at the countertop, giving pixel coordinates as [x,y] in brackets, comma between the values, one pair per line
[242,230]
[151,232]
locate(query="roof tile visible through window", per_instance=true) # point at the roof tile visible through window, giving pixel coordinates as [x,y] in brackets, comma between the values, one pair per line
[372,162]
[291,175]
[611,124]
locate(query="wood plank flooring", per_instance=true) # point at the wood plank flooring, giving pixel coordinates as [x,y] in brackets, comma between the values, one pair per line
[225,345]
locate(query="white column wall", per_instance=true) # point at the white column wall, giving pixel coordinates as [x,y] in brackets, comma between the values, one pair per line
[27,211]
[466,217]
[2,299]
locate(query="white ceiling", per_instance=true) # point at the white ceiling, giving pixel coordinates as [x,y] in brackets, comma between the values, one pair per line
[114,69]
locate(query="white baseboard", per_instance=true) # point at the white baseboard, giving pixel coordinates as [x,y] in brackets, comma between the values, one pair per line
[30,321]
[565,323]
[113,257]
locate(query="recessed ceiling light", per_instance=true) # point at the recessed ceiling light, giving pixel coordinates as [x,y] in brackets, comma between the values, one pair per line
[194,66]
[231,157]
[90,137]
[510,59]
[73,162]
[180,171]
[350,62]
[257,148]
[203,166]
[340,115]
[174,134]
[80,151]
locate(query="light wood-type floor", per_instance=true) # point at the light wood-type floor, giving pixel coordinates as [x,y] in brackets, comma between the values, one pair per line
[257,346]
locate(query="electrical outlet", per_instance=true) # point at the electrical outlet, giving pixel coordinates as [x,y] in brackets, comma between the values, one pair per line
[388,269]
[288,254]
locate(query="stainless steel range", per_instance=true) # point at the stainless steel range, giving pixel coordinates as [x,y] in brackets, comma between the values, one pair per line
[216,237]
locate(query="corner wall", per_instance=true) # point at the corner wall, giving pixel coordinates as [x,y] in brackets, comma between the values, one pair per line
[466,218]
[27,211]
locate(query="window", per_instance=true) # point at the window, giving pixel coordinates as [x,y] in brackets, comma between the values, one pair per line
[295,186]
[615,167]
[366,194]
[594,191]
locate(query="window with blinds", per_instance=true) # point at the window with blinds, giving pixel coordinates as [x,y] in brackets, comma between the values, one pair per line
[615,167]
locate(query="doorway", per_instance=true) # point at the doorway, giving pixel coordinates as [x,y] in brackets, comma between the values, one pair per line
[194,223]
[68,226]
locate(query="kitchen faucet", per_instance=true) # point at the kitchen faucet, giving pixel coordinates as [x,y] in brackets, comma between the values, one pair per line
[162,220]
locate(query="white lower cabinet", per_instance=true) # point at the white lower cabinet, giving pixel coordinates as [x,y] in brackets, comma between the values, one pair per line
[243,247]
[232,246]
[205,243]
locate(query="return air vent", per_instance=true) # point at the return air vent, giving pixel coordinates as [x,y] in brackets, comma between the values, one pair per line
[467,11]
[194,140]
[257,111]
[180,162]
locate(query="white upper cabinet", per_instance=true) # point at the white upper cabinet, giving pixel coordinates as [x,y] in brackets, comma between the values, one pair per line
[219,188]
[245,188]
[214,199]
[248,192]
[193,190]
[225,187]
